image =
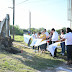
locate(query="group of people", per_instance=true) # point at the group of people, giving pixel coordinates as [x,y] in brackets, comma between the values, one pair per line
[65,39]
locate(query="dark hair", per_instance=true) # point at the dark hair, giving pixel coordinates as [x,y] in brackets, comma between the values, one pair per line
[39,32]
[34,32]
[53,29]
[69,30]
[62,30]
[44,29]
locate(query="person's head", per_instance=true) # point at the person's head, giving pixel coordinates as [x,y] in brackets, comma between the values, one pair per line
[28,32]
[44,30]
[68,30]
[62,31]
[39,33]
[52,30]
[34,32]
[51,33]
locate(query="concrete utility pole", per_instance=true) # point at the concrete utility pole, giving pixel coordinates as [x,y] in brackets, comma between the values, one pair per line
[30,21]
[13,16]
[70,12]
[71,16]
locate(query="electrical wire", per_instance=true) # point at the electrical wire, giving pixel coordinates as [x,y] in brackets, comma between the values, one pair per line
[22,2]
[28,2]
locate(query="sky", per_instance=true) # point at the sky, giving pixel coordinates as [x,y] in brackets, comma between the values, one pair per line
[44,13]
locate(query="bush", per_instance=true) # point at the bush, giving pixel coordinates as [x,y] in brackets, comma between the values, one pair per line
[17,30]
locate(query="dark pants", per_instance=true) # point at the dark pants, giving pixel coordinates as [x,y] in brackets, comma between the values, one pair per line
[69,52]
[35,48]
[63,47]
[50,42]
[43,46]
[29,42]
[55,49]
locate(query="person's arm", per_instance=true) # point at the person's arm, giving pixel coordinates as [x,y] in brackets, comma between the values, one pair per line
[63,39]
[37,36]
[49,39]
[42,37]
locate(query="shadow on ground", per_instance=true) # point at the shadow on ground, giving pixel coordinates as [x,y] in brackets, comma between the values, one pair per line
[37,62]
[12,50]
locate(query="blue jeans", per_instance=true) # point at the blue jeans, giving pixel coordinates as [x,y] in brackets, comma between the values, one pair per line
[63,47]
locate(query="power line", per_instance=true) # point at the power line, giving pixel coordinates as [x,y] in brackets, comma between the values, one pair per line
[22,2]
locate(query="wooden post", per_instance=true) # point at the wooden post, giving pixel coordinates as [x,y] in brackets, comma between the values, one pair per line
[7,25]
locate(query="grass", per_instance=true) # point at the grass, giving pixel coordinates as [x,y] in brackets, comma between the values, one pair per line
[28,61]
[18,39]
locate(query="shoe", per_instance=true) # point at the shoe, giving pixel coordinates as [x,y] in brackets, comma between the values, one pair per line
[50,54]
[71,61]
[68,63]
[62,53]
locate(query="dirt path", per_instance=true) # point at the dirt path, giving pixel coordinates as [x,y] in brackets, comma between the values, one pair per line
[61,68]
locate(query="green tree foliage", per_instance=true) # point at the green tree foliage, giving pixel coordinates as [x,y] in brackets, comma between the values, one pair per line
[64,29]
[41,29]
[49,31]
[17,30]
[59,30]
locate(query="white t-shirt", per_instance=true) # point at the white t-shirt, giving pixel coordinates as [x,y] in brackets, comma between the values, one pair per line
[62,35]
[55,36]
[33,36]
[68,38]
[47,34]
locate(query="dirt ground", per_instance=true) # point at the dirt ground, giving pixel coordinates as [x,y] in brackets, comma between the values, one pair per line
[61,68]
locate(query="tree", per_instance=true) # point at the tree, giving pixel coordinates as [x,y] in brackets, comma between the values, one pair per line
[41,29]
[17,30]
[59,31]
[64,28]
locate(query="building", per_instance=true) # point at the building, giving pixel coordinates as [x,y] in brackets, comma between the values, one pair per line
[70,12]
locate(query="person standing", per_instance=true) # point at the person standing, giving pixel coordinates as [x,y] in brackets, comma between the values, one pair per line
[54,39]
[29,33]
[68,43]
[63,42]
[43,46]
[43,36]
[34,35]
[46,33]
[50,37]
[38,36]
